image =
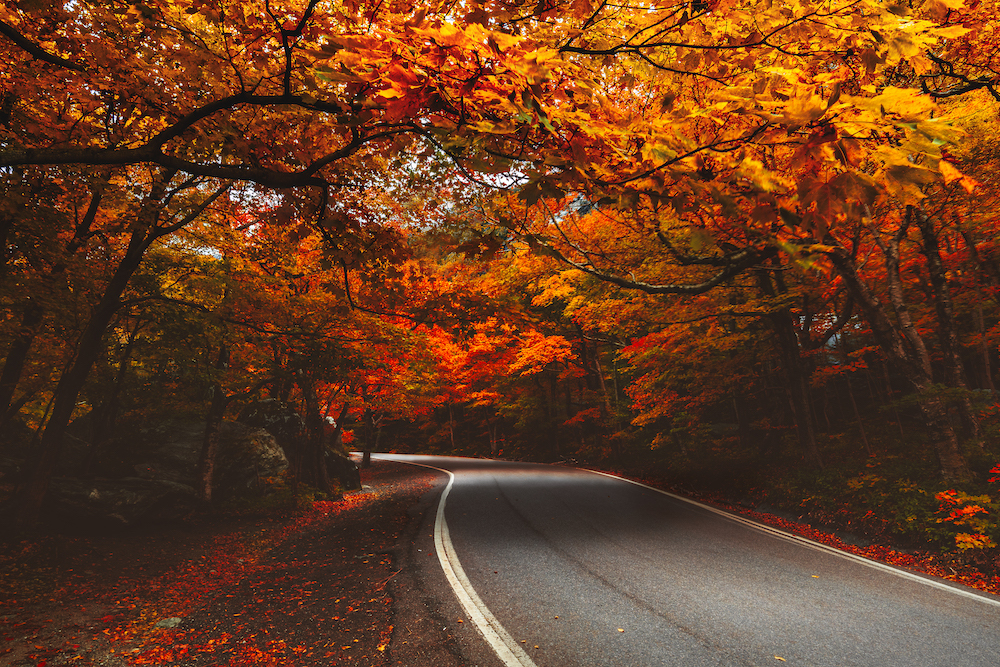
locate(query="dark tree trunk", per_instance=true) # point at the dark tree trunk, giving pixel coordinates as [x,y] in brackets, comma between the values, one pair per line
[213,429]
[6,224]
[742,421]
[89,348]
[944,307]
[795,375]
[314,469]
[909,365]
[984,350]
[857,414]
[107,414]
[17,355]
[91,344]
[367,443]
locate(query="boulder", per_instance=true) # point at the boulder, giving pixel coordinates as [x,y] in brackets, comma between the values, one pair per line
[288,427]
[341,468]
[169,451]
[246,460]
[118,503]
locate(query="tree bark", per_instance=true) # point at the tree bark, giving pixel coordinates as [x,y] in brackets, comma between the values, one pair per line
[144,230]
[17,355]
[213,429]
[897,299]
[89,348]
[106,415]
[315,446]
[909,365]
[369,419]
[993,272]
[857,414]
[797,382]
[984,350]
[34,314]
[945,309]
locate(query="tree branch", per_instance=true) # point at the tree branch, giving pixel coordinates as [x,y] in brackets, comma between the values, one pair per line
[36,51]
[741,261]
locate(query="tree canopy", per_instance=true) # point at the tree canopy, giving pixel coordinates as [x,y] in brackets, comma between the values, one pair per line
[553,229]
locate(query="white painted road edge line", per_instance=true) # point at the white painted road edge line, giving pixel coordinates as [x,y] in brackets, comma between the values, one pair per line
[816,546]
[493,632]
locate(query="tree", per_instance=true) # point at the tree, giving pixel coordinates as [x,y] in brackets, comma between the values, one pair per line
[724,136]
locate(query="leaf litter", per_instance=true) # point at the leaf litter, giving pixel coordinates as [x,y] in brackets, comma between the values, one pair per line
[268,590]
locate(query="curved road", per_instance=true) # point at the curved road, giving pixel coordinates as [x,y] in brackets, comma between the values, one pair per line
[560,567]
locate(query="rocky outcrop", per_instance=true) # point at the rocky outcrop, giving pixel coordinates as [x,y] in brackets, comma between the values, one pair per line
[149,474]
[248,460]
[341,468]
[275,417]
[162,464]
[288,427]
[247,457]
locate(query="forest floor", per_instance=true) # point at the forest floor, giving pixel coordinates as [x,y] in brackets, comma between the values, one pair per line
[330,585]
[315,587]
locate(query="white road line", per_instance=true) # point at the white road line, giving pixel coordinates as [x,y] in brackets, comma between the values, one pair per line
[506,648]
[816,546]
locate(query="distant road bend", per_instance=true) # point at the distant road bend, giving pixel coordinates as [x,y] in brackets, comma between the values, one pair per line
[558,567]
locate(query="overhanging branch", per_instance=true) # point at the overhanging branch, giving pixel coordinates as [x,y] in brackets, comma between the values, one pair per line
[35,51]
[740,262]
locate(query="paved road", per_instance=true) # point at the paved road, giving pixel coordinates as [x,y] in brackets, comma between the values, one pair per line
[596,571]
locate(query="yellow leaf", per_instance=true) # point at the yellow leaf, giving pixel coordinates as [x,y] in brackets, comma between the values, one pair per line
[949,171]
[969,184]
[804,109]
[778,657]
[762,178]
[951,32]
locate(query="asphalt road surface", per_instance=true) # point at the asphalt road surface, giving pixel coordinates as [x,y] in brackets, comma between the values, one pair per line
[558,567]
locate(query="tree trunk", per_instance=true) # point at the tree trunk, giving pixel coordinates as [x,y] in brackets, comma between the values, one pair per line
[897,299]
[213,428]
[606,408]
[89,348]
[17,355]
[944,307]
[984,350]
[107,414]
[797,382]
[890,341]
[368,445]
[314,456]
[857,414]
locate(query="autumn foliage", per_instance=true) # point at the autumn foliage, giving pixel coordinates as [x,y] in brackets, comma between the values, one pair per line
[722,239]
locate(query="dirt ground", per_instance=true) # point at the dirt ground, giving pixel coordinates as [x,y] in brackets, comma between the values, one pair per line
[322,587]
